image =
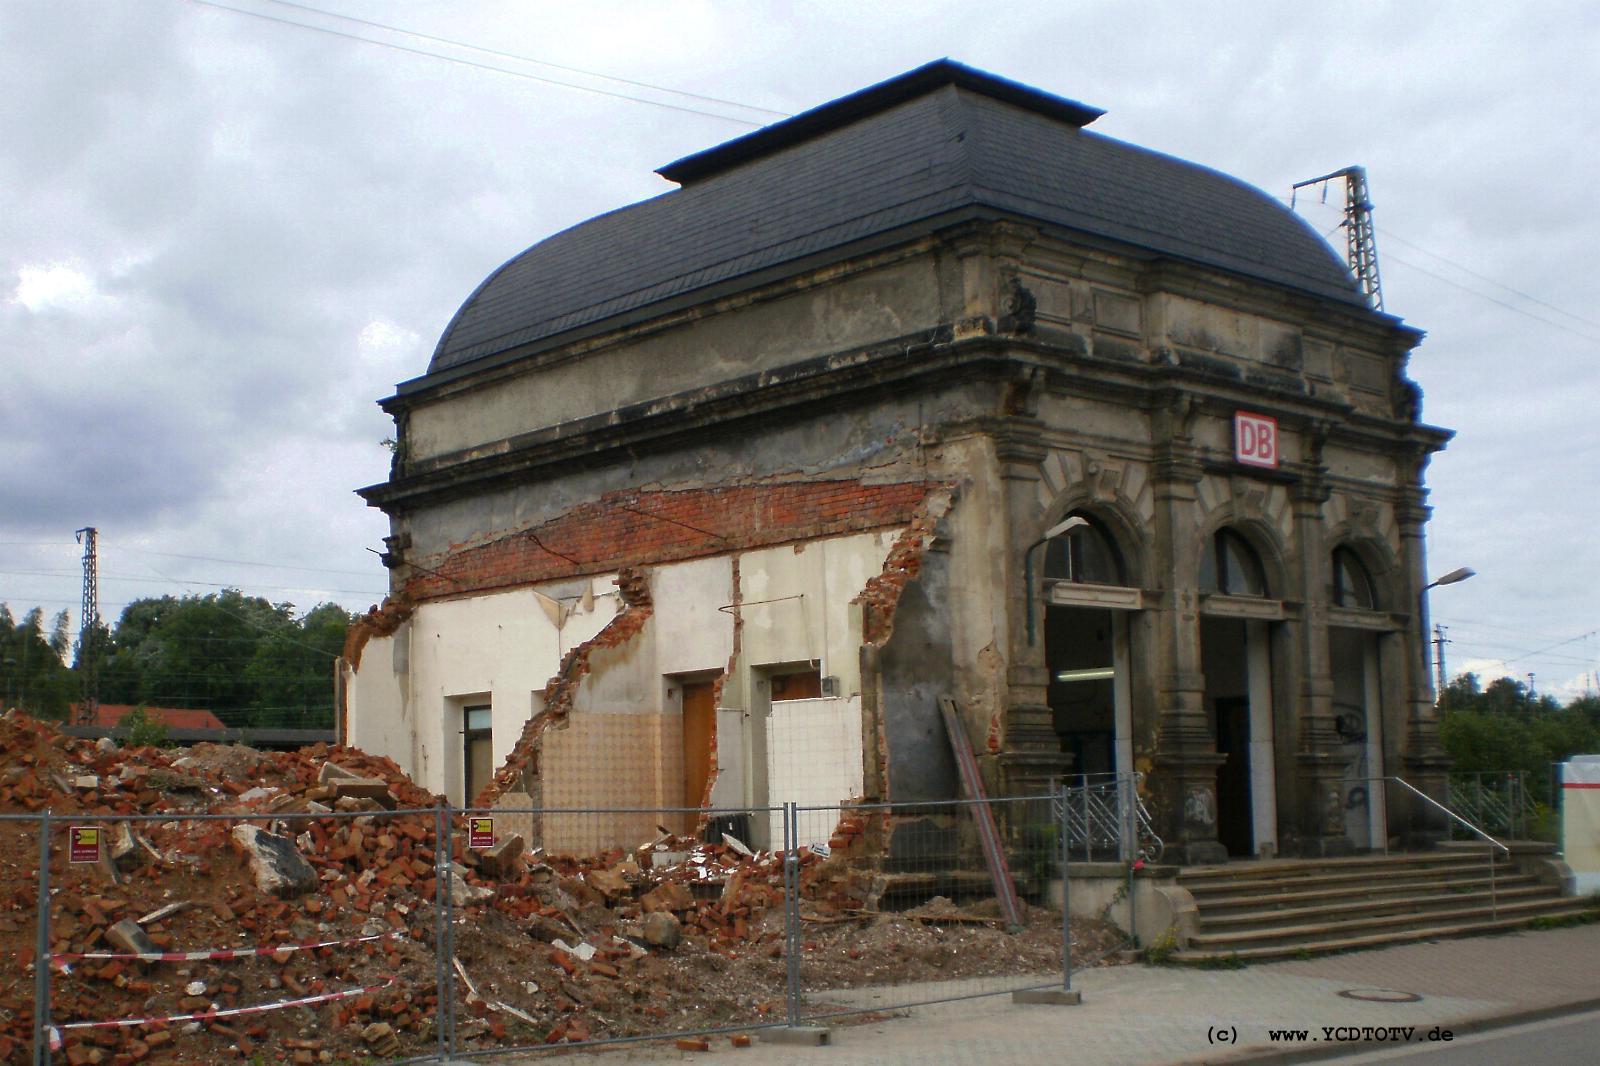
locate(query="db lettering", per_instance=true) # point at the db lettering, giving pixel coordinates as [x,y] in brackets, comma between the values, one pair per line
[1255,439]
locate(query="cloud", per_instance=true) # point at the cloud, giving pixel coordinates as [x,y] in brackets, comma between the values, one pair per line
[225,238]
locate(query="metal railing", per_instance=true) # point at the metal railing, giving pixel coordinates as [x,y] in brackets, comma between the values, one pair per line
[1104,815]
[1499,800]
[1456,819]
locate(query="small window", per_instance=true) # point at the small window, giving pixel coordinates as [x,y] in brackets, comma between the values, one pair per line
[805,685]
[1232,567]
[1352,584]
[478,743]
[1085,555]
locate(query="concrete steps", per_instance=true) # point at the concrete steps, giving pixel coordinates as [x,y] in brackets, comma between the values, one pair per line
[1289,908]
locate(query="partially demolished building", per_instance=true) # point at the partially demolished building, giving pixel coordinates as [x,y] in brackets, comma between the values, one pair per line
[708,500]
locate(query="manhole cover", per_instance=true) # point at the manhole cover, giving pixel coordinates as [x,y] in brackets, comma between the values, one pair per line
[1381,995]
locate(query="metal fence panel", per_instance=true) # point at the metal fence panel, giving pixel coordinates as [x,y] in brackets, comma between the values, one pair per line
[900,907]
[634,924]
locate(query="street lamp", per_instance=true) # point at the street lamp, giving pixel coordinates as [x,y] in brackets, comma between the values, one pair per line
[1459,574]
[1027,563]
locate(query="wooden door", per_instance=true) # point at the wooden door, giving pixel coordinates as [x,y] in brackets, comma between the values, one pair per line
[699,727]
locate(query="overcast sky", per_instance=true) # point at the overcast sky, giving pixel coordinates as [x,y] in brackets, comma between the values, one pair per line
[222,238]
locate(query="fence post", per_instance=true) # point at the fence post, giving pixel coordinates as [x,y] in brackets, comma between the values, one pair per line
[41,953]
[1066,925]
[441,873]
[449,1004]
[1129,792]
[791,883]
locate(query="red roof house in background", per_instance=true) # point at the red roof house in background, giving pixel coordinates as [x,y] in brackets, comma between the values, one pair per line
[110,715]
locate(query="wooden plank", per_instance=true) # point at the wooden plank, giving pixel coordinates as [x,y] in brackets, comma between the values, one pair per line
[988,833]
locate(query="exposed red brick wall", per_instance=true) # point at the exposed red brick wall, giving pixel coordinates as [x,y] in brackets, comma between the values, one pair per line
[635,528]
[882,594]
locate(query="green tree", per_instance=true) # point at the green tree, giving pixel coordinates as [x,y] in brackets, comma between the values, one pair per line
[1505,727]
[33,669]
[249,661]
[292,669]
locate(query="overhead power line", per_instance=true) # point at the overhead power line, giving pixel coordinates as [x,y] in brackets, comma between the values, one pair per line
[1389,235]
[482,66]
[528,59]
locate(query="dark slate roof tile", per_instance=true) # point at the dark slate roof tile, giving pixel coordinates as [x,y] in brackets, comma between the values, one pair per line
[919,160]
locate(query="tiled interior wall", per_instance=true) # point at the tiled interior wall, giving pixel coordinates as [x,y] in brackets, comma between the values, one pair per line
[610,761]
[813,758]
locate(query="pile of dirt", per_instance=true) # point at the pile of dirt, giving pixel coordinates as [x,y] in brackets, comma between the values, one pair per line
[676,934]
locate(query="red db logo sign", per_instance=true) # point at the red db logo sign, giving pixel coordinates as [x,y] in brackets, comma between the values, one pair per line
[1255,439]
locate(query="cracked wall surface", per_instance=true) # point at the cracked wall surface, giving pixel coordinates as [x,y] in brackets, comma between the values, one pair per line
[604,727]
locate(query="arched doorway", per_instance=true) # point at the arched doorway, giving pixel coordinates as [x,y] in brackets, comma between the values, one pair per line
[1356,626]
[1237,616]
[1088,601]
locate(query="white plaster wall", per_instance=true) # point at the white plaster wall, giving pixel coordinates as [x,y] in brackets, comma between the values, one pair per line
[500,648]
[692,632]
[808,617]
[377,699]
[813,759]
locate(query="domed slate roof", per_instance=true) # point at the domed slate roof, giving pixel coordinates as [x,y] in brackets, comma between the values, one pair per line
[871,169]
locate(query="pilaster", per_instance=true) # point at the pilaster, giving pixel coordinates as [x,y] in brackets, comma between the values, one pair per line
[1185,762]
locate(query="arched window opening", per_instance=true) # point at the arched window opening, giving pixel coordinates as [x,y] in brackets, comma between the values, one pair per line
[1084,555]
[1352,584]
[1232,567]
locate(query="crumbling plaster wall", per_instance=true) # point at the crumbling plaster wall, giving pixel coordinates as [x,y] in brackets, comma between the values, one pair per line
[504,647]
[499,648]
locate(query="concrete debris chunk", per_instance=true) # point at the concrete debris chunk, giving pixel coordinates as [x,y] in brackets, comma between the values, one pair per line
[663,930]
[609,883]
[331,772]
[363,788]
[583,951]
[130,850]
[278,867]
[126,936]
[381,1038]
[503,860]
[667,896]
[737,845]
[162,913]
[463,892]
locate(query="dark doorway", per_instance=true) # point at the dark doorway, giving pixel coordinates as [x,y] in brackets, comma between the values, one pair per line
[1078,646]
[1233,776]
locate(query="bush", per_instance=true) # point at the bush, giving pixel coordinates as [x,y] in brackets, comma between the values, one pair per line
[144,731]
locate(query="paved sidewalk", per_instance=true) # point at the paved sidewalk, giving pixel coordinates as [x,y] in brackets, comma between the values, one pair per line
[1154,1015]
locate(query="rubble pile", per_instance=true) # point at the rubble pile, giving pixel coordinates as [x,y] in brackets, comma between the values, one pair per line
[675,934]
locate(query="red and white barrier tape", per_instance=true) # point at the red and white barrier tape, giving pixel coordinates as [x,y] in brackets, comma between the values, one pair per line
[56,1031]
[62,960]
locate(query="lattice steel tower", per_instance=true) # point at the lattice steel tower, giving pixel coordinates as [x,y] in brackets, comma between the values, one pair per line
[1361,243]
[89,628]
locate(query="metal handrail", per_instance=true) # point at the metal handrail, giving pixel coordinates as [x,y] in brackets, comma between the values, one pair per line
[1464,823]
[1105,810]
[1494,895]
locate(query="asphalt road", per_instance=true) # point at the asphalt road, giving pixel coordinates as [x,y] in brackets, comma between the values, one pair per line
[1565,1041]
